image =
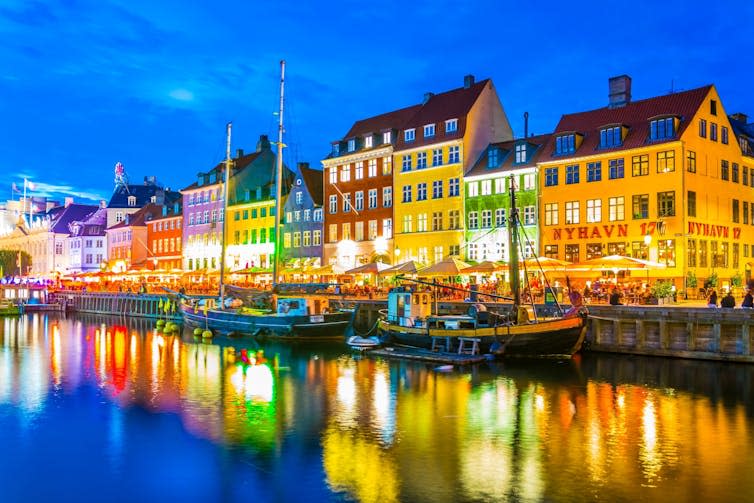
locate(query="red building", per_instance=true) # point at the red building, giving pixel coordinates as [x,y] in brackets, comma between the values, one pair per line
[164,234]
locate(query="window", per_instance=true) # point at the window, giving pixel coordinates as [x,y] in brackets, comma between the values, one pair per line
[529,181]
[713,107]
[387,197]
[713,131]
[351,145]
[551,251]
[317,238]
[691,204]
[318,215]
[286,240]
[299,197]
[359,233]
[451,126]
[665,161]
[640,165]
[359,200]
[616,248]
[387,228]
[736,211]
[246,214]
[347,202]
[610,137]
[437,189]
[407,193]
[593,210]
[660,129]
[132,201]
[368,141]
[372,199]
[486,219]
[551,177]
[472,189]
[408,223]
[421,160]
[571,212]
[745,175]
[454,185]
[702,253]
[486,187]
[429,130]
[346,230]
[565,144]
[372,168]
[702,128]
[296,239]
[616,208]
[333,172]
[529,215]
[409,135]
[437,220]
[572,253]
[190,220]
[359,171]
[691,161]
[437,157]
[724,170]
[493,157]
[473,220]
[333,203]
[406,166]
[345,173]
[454,154]
[666,251]
[333,233]
[307,215]
[421,191]
[666,204]
[616,168]
[551,213]
[387,137]
[500,217]
[307,238]
[593,250]
[734,173]
[454,219]
[594,171]
[521,153]
[387,165]
[572,174]
[745,212]
[372,229]
[724,135]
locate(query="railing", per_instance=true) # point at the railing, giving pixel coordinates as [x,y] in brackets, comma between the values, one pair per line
[124,304]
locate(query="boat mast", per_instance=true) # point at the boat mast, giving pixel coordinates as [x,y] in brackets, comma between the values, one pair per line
[224,216]
[279,179]
[513,244]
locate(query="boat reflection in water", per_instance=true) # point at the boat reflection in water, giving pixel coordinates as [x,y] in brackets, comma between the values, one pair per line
[161,414]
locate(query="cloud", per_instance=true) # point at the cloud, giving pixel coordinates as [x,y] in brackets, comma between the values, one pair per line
[54,191]
[181,95]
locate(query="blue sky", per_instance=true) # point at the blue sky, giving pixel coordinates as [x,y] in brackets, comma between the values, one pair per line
[87,83]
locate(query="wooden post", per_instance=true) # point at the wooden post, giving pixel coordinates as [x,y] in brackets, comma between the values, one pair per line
[745,340]
[664,338]
[641,334]
[690,337]
[716,330]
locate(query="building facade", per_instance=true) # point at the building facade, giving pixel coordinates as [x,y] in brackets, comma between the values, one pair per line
[164,238]
[87,243]
[127,198]
[127,247]
[303,220]
[662,179]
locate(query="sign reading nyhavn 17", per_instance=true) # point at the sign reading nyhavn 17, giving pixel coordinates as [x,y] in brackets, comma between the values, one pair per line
[621,231]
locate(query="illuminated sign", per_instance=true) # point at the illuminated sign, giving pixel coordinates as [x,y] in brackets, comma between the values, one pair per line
[713,230]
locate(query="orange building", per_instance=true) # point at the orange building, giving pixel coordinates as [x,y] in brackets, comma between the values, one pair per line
[164,238]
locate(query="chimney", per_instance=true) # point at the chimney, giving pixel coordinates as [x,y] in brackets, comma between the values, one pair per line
[263,143]
[468,81]
[303,165]
[102,203]
[740,117]
[68,201]
[427,96]
[526,124]
[619,91]
[239,153]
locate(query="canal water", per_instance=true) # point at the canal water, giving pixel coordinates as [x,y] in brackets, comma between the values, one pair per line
[107,409]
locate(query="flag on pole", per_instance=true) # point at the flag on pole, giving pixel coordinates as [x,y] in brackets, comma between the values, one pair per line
[31,185]
[15,188]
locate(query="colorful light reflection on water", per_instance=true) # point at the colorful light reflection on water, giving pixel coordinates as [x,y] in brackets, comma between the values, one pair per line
[95,409]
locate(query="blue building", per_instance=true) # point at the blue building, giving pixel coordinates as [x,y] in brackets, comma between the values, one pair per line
[302,220]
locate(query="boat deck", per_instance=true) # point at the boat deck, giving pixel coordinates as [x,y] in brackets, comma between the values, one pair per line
[427,355]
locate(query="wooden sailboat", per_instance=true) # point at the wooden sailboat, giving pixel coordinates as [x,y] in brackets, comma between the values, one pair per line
[299,316]
[409,321]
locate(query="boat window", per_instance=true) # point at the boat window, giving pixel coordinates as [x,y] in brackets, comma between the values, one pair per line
[294,304]
[424,298]
[401,301]
[416,298]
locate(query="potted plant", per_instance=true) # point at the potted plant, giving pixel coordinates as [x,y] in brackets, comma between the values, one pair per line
[662,291]
[691,283]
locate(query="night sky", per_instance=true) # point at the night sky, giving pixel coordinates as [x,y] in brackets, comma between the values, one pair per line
[151,83]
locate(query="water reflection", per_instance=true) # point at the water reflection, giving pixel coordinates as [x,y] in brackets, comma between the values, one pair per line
[605,428]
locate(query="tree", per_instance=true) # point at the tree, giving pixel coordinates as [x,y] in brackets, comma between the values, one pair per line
[14,263]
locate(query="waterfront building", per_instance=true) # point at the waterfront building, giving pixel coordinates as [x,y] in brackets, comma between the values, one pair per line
[45,240]
[127,247]
[303,220]
[87,243]
[250,235]
[164,238]
[358,192]
[128,198]
[435,146]
[487,199]
[662,179]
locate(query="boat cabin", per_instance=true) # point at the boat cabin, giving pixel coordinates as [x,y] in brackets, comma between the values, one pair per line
[304,306]
[405,307]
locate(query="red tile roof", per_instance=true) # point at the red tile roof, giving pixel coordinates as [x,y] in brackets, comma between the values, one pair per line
[390,120]
[314,181]
[535,144]
[146,214]
[635,115]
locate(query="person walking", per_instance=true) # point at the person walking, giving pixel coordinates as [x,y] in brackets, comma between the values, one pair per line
[712,299]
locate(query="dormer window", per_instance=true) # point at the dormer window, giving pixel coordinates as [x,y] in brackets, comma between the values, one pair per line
[611,136]
[387,137]
[409,135]
[451,126]
[520,153]
[351,144]
[335,148]
[429,130]
[493,157]
[565,144]
[661,129]
[368,141]
[131,201]
[153,199]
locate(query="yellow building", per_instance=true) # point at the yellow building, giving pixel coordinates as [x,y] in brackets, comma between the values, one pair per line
[660,179]
[251,235]
[434,148]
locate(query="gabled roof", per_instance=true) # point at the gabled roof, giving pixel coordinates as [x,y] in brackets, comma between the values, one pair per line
[535,147]
[383,122]
[62,216]
[93,225]
[143,194]
[314,181]
[635,115]
[237,163]
[146,214]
